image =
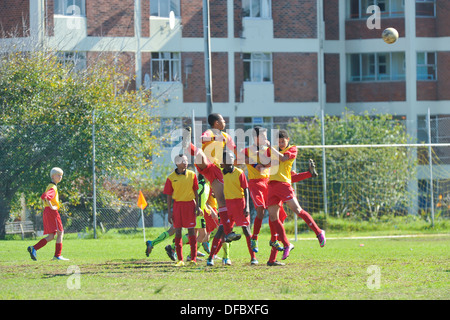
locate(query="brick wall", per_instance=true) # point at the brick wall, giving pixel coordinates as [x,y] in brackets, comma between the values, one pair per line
[145,18]
[237,18]
[238,77]
[295,77]
[194,86]
[218,18]
[331,17]
[443,75]
[219,76]
[295,18]
[192,18]
[427,90]
[443,18]
[110,18]
[14,18]
[332,78]
[376,91]
[357,29]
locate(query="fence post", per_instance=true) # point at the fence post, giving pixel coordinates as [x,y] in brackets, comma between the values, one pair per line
[430,159]
[324,167]
[94,197]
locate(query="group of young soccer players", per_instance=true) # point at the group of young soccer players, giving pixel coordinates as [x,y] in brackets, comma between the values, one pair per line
[226,202]
[219,199]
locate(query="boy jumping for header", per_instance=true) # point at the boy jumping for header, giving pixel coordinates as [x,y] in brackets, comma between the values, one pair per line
[208,160]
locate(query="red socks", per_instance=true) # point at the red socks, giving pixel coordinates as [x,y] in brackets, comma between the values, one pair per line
[58,249]
[249,245]
[223,214]
[215,246]
[179,248]
[193,244]
[40,244]
[309,221]
[256,228]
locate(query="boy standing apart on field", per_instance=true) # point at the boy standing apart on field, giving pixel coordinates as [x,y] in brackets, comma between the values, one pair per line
[181,187]
[51,217]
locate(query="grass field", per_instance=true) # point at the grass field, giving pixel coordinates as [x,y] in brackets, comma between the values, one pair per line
[116,268]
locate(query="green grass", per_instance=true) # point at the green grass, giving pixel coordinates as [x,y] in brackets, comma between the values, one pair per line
[115,267]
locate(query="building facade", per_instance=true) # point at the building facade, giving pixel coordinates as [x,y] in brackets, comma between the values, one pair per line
[271,60]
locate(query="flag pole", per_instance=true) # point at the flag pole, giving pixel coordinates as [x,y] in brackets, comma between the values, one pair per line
[143,223]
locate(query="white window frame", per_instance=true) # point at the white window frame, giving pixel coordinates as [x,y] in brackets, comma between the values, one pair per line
[257,61]
[263,5]
[362,14]
[370,72]
[174,64]
[427,65]
[62,7]
[159,5]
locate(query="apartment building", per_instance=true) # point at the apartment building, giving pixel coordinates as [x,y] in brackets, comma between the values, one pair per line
[272,60]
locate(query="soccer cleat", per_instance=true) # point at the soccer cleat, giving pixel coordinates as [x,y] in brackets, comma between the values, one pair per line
[180,263]
[32,252]
[254,245]
[209,262]
[149,248]
[60,258]
[192,263]
[254,262]
[322,239]
[170,252]
[276,245]
[226,262]
[287,250]
[200,254]
[275,264]
[232,237]
[312,168]
[205,246]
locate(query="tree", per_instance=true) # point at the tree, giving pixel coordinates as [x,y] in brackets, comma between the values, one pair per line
[47,114]
[363,182]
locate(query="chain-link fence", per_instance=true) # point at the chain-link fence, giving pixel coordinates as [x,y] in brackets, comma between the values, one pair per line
[370,167]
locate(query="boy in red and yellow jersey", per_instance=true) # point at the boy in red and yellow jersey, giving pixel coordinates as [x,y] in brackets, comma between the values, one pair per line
[181,187]
[208,160]
[237,200]
[51,217]
[280,191]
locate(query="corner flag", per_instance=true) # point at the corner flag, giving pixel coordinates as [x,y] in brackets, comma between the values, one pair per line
[141,201]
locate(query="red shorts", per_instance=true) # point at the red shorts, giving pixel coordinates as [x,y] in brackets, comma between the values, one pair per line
[279,191]
[235,208]
[184,215]
[211,223]
[259,191]
[211,173]
[52,221]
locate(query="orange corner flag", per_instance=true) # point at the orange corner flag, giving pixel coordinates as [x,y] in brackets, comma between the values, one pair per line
[141,201]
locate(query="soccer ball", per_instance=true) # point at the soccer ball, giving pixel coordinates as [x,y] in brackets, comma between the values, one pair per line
[390,35]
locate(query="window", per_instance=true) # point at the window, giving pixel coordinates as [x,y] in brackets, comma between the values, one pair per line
[70,7]
[257,8]
[377,67]
[75,59]
[257,67]
[162,8]
[388,8]
[426,66]
[425,8]
[166,66]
